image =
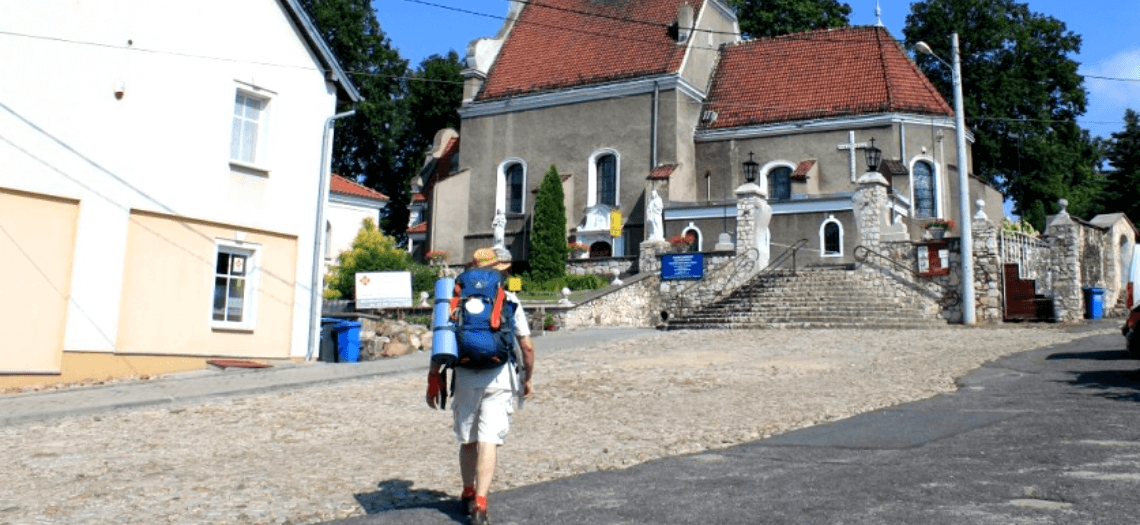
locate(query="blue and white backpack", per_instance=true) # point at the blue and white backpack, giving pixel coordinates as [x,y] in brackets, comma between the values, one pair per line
[484,319]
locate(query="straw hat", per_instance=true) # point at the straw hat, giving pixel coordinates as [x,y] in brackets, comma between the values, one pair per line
[487,258]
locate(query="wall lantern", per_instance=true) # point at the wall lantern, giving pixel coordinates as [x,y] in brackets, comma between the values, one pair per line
[874,155]
[751,167]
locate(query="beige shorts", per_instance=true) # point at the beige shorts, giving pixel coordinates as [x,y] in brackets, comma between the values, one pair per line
[482,414]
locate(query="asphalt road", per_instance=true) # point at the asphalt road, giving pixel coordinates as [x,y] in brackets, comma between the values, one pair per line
[1048,436]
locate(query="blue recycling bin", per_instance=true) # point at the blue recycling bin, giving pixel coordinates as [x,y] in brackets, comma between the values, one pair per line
[1094,303]
[347,341]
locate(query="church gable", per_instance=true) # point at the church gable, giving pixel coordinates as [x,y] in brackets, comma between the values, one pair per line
[818,74]
[560,44]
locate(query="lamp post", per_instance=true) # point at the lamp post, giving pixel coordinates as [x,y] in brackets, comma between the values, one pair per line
[874,156]
[751,167]
[968,315]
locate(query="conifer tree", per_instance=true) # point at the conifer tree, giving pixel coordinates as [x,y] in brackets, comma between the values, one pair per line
[548,248]
[1123,154]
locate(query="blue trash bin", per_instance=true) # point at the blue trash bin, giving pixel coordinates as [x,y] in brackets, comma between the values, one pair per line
[347,341]
[1094,303]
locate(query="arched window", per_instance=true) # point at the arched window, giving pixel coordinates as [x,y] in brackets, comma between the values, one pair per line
[510,186]
[831,237]
[925,190]
[780,183]
[601,249]
[607,179]
[515,188]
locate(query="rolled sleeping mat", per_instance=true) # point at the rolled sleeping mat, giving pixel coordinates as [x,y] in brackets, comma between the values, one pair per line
[444,350]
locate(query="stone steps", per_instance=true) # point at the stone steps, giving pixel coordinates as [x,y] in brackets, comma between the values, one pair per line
[824,298]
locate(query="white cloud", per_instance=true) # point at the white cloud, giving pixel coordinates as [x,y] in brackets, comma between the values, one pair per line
[1109,98]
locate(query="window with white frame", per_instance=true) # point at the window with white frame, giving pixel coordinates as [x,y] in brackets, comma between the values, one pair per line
[780,183]
[250,129]
[235,283]
[831,237]
[925,190]
[603,181]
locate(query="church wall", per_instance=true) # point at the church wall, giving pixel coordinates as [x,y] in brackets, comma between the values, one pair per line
[704,45]
[447,225]
[564,136]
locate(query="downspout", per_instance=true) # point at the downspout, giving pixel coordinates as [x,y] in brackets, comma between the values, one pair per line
[318,237]
[653,137]
[902,157]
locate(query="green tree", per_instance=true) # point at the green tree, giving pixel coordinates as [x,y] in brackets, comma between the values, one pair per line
[367,145]
[1123,154]
[372,251]
[1022,95]
[435,92]
[548,248]
[767,18]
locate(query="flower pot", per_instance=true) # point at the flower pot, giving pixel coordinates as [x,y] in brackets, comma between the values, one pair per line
[550,328]
[937,233]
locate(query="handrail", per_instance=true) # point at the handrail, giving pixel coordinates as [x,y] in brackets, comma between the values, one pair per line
[746,265]
[950,295]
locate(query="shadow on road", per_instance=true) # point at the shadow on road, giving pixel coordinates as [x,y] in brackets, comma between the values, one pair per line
[1118,385]
[398,494]
[1103,355]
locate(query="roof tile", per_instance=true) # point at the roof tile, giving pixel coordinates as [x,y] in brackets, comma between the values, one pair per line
[818,74]
[558,44]
[345,186]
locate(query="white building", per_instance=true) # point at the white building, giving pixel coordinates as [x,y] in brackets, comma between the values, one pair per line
[349,204]
[159,172]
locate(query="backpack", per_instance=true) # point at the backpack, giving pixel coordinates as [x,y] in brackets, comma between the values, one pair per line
[484,320]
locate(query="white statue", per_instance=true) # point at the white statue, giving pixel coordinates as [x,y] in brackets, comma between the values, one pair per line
[653,212]
[499,224]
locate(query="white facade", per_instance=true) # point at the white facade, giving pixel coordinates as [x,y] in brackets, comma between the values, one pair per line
[346,214]
[128,106]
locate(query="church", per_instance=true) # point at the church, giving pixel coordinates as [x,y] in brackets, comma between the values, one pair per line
[634,99]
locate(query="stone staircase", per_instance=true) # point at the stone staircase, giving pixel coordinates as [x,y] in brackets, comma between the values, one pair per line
[814,298]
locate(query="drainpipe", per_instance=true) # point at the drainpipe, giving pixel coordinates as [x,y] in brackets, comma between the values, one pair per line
[319,234]
[653,137]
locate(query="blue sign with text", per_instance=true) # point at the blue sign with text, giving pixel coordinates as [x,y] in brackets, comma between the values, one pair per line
[682,266]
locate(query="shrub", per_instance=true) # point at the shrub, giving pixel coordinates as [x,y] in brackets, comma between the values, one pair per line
[372,251]
[548,249]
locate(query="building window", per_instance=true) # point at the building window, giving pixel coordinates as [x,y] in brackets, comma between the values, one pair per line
[515,186]
[831,237]
[780,183]
[925,190]
[249,129]
[607,179]
[235,280]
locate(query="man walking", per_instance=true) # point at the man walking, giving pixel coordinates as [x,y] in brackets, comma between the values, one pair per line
[484,399]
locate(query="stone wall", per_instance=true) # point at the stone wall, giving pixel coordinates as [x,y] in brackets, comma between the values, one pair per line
[636,303]
[603,266]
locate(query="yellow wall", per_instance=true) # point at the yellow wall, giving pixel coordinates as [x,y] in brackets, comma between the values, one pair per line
[168,286]
[37,239]
[87,367]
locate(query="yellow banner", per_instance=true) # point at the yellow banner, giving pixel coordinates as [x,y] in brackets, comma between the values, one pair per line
[615,223]
[514,284]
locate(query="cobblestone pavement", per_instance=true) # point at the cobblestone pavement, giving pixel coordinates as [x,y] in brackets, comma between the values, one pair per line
[325,452]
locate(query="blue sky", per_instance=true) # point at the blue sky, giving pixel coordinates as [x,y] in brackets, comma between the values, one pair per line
[1110,30]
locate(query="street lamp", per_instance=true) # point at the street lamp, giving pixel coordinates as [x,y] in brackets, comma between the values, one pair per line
[874,155]
[751,167]
[968,316]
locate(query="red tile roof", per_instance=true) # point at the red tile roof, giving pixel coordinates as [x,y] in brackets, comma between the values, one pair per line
[818,74]
[803,169]
[558,44]
[344,186]
[893,167]
[419,228]
[662,172]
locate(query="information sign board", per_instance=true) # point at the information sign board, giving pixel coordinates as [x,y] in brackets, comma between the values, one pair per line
[682,266]
[383,290]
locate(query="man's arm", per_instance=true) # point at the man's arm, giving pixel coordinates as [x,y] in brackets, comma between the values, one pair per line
[527,347]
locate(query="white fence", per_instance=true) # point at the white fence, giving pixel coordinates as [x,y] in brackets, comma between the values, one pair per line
[1023,250]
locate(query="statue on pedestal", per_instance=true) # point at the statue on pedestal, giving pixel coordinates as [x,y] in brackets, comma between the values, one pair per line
[653,211]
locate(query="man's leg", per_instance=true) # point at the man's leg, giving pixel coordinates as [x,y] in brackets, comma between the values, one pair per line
[485,469]
[468,463]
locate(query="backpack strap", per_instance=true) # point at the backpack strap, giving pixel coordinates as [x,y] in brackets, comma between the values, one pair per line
[455,296]
[497,309]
